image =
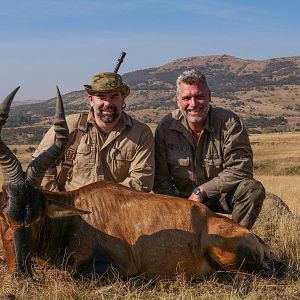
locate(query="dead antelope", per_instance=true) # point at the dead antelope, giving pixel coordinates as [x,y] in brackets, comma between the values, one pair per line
[134,232]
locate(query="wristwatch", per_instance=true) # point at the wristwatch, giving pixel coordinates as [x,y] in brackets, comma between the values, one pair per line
[197,191]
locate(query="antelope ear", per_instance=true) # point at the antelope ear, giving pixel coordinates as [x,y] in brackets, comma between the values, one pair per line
[57,209]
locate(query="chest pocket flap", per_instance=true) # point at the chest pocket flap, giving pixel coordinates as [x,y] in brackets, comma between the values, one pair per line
[84,149]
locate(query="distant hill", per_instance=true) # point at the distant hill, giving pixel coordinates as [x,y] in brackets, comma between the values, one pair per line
[24,102]
[265,93]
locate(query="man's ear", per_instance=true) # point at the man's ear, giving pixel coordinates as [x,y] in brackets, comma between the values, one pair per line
[209,95]
[91,100]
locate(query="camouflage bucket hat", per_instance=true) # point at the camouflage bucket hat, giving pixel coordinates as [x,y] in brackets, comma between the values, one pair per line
[107,82]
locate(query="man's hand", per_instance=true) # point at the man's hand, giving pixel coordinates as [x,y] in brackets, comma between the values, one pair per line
[198,194]
[196,198]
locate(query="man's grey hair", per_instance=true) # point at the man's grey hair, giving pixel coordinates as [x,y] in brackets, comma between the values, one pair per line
[191,77]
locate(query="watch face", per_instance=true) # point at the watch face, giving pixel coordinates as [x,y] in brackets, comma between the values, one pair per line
[197,191]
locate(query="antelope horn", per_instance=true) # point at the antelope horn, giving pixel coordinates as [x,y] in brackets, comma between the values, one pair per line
[11,167]
[38,167]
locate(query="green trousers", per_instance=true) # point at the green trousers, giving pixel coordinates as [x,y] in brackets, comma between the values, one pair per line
[244,202]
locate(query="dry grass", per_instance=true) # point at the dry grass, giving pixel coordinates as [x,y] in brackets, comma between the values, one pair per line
[283,238]
[59,285]
[276,154]
[285,187]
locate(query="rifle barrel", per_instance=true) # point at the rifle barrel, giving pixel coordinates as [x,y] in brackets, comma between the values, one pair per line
[120,60]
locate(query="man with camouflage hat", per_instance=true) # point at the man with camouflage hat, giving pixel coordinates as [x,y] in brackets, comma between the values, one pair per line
[105,143]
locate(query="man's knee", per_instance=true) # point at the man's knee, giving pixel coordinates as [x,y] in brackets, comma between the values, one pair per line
[250,189]
[248,201]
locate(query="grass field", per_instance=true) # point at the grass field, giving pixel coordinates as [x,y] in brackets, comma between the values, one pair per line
[276,154]
[277,166]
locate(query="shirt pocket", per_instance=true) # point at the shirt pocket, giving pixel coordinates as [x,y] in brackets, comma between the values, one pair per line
[121,162]
[179,167]
[84,157]
[212,167]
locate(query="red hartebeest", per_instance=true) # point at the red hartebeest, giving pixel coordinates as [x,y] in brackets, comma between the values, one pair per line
[104,224]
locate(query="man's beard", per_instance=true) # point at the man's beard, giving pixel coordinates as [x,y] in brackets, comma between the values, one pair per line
[196,119]
[108,118]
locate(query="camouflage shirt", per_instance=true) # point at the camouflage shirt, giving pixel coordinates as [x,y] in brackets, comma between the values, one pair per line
[221,159]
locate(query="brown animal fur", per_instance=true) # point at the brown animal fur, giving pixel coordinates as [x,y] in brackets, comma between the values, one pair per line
[144,233]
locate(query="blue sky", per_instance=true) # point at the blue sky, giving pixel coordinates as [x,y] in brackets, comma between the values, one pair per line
[45,43]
